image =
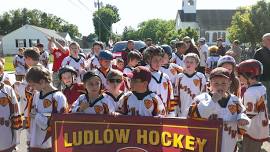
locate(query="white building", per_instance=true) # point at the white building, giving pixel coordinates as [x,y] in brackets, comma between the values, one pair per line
[29,36]
[210,23]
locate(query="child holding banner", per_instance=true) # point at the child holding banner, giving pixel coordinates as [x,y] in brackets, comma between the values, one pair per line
[189,84]
[93,101]
[45,102]
[113,94]
[220,104]
[255,102]
[141,101]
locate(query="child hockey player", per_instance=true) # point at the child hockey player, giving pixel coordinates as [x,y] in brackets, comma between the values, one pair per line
[229,63]
[93,101]
[141,101]
[105,58]
[255,101]
[221,104]
[19,65]
[113,94]
[133,58]
[212,60]
[74,60]
[189,84]
[160,82]
[10,119]
[72,90]
[178,56]
[93,60]
[46,101]
[44,56]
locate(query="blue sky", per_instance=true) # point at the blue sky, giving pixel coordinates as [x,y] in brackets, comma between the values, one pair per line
[132,12]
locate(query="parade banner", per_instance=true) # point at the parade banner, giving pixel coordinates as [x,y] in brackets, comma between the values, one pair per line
[102,133]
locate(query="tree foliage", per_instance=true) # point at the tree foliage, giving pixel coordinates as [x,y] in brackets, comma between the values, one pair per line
[103,20]
[250,23]
[14,19]
[160,31]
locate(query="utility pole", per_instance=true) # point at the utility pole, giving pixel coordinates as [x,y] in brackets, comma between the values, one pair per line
[98,5]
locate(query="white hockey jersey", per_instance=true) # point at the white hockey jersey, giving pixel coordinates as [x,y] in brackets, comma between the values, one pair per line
[44,59]
[93,63]
[77,64]
[19,65]
[254,100]
[128,70]
[172,70]
[45,105]
[103,78]
[112,102]
[10,119]
[149,105]
[188,87]
[162,86]
[230,110]
[178,59]
[96,107]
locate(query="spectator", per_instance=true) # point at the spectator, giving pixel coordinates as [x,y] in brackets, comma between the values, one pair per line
[148,42]
[130,47]
[263,55]
[190,46]
[237,51]
[221,49]
[203,50]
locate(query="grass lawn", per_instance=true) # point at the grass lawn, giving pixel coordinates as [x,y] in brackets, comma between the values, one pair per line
[9,63]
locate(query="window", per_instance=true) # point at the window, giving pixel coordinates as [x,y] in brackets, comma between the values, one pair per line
[33,42]
[191,2]
[224,35]
[20,43]
[206,36]
[214,39]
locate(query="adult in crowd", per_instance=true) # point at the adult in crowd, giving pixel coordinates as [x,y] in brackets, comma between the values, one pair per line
[236,51]
[203,50]
[263,55]
[148,42]
[221,49]
[130,47]
[59,52]
[191,48]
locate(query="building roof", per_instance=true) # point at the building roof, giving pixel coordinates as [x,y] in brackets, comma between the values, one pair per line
[50,33]
[209,19]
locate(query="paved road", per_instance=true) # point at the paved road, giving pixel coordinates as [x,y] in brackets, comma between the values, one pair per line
[22,146]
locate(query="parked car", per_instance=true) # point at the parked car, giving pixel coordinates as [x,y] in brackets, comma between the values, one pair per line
[121,45]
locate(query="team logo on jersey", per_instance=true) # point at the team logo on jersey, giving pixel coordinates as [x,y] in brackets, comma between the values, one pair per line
[260,106]
[4,101]
[148,103]
[165,85]
[98,109]
[232,108]
[196,82]
[47,103]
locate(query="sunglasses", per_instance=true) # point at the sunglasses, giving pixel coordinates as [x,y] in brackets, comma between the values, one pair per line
[115,80]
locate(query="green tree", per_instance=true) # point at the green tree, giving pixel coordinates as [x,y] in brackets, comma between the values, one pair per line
[15,19]
[103,20]
[250,23]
